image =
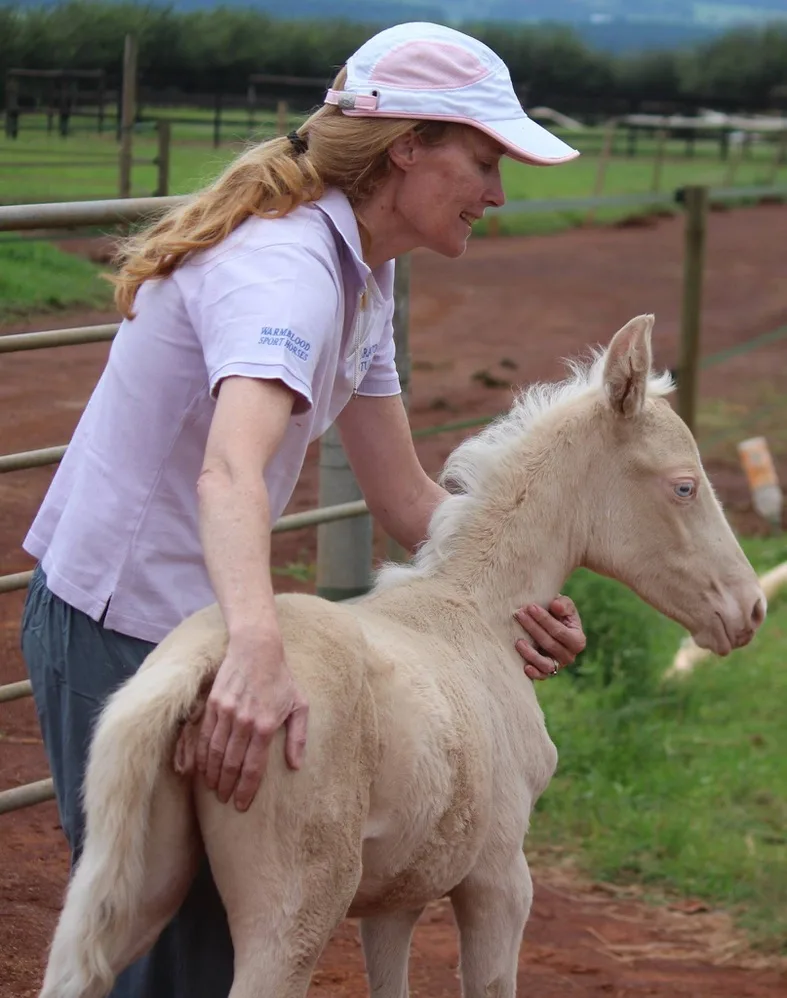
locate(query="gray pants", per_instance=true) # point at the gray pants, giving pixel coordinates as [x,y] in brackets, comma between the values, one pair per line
[74,663]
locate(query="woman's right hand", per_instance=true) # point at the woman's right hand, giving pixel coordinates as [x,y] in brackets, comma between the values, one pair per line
[253,695]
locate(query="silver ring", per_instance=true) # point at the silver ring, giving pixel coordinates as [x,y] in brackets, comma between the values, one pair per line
[555,667]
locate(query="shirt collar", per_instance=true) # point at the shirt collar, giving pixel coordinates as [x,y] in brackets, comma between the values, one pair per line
[335,205]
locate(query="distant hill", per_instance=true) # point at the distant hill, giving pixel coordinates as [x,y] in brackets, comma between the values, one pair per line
[611,25]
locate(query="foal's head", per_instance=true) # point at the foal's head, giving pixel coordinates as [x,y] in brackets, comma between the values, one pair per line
[596,471]
[653,520]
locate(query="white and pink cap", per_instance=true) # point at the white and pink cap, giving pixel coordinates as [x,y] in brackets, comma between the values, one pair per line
[428,71]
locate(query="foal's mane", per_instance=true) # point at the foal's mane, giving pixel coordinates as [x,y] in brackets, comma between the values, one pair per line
[470,465]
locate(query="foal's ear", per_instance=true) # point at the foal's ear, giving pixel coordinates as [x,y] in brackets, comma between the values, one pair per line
[627,366]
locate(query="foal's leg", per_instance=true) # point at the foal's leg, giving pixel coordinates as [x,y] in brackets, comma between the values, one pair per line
[287,870]
[491,913]
[386,950]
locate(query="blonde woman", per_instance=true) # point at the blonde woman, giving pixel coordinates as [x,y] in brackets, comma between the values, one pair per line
[254,317]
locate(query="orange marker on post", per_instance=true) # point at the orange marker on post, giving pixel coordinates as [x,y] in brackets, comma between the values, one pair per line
[766,492]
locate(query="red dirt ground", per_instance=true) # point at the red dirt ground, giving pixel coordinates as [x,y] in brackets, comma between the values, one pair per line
[526,301]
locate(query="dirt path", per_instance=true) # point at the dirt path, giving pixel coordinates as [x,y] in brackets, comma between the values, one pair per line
[504,313]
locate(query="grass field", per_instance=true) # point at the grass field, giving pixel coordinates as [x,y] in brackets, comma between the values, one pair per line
[193,161]
[680,785]
[41,167]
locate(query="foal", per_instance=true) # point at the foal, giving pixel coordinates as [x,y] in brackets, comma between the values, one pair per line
[427,746]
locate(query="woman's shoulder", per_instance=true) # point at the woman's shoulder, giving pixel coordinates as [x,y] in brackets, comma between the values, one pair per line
[304,230]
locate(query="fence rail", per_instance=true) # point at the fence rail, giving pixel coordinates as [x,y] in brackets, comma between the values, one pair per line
[17,342]
[31,458]
[64,214]
[26,795]
[26,217]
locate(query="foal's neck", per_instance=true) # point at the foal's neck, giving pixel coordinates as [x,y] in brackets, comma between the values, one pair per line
[514,552]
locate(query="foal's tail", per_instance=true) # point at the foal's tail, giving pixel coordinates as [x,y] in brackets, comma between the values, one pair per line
[133,743]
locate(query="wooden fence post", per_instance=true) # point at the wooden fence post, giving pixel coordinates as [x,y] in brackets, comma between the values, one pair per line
[128,113]
[217,121]
[282,112]
[11,108]
[401,324]
[162,157]
[696,206]
[779,157]
[606,155]
[658,162]
[734,158]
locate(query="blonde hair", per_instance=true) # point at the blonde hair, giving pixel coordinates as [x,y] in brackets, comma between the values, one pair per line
[269,180]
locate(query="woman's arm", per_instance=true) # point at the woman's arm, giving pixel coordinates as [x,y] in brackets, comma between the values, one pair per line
[253,693]
[376,437]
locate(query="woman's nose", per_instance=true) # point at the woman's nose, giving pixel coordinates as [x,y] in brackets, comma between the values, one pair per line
[495,196]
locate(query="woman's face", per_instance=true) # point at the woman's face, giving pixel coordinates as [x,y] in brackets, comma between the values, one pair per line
[444,188]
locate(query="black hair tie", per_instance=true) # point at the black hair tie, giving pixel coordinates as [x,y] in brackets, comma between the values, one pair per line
[299,144]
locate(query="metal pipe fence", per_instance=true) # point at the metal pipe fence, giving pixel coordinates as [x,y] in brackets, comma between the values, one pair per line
[110,212]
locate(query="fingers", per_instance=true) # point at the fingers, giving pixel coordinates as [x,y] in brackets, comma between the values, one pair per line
[232,748]
[564,607]
[236,757]
[295,745]
[538,665]
[217,745]
[253,769]
[553,636]
[236,752]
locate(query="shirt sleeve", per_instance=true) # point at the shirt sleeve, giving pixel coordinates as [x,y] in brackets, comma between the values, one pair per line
[269,313]
[381,377]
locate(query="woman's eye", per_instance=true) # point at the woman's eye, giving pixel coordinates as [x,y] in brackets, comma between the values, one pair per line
[684,490]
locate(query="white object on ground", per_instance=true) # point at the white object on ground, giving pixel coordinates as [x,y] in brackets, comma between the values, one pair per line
[689,654]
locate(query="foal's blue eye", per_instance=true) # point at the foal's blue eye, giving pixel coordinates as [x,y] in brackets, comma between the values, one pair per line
[684,490]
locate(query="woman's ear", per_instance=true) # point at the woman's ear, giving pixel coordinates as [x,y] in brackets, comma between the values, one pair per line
[404,152]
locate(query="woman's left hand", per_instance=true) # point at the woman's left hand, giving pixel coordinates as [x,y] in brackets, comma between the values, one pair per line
[557,635]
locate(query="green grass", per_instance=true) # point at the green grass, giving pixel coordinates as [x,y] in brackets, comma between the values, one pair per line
[37,277]
[682,785]
[194,161]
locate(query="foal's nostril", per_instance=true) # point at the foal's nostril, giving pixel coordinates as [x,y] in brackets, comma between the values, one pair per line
[758,613]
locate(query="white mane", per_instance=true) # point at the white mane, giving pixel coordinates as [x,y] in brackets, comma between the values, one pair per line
[470,464]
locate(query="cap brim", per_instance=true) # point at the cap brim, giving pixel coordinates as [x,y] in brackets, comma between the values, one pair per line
[527,142]
[523,139]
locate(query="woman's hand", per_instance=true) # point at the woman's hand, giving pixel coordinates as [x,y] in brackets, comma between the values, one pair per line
[253,695]
[557,634]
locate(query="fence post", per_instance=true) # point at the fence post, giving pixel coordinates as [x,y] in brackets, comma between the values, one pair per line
[162,157]
[401,324]
[282,112]
[128,113]
[779,157]
[217,121]
[11,108]
[658,162]
[344,548]
[696,205]
[606,155]
[734,159]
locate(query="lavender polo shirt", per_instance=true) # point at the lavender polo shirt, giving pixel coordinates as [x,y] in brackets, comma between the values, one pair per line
[287,298]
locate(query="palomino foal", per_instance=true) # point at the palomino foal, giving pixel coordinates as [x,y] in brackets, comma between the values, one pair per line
[427,747]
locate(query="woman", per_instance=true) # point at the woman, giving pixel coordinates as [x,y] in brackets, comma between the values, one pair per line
[254,317]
